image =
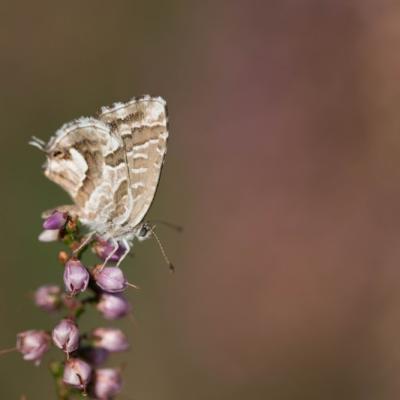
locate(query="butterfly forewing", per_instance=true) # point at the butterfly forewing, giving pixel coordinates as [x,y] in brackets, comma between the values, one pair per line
[141,125]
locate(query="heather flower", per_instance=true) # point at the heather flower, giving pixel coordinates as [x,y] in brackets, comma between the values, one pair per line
[33,344]
[76,276]
[55,221]
[113,306]
[111,339]
[48,297]
[66,336]
[104,249]
[89,350]
[110,279]
[77,373]
[107,383]
[49,235]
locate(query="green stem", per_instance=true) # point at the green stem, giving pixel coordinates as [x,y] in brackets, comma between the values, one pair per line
[57,370]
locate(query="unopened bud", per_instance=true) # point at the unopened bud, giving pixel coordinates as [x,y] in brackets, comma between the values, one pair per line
[77,373]
[33,344]
[49,235]
[48,297]
[104,249]
[111,339]
[72,225]
[63,257]
[113,306]
[76,276]
[107,383]
[55,221]
[66,335]
[110,279]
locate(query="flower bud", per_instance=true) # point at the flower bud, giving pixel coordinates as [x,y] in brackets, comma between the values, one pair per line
[49,235]
[63,257]
[72,224]
[110,279]
[104,249]
[111,339]
[66,335]
[33,344]
[55,221]
[113,306]
[107,383]
[48,297]
[77,373]
[76,276]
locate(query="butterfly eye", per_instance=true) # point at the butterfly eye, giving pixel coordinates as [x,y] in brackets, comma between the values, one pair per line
[144,231]
[57,154]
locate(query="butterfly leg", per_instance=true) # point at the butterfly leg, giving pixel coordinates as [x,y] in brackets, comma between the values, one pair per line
[112,253]
[85,242]
[127,251]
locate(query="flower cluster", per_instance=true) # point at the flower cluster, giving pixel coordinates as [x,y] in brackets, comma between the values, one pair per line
[101,286]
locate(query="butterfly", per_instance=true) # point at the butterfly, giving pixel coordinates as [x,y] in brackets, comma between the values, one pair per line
[110,165]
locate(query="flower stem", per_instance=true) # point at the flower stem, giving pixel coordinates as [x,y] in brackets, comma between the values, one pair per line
[6,351]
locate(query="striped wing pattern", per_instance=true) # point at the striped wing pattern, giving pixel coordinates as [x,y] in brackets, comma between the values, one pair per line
[141,127]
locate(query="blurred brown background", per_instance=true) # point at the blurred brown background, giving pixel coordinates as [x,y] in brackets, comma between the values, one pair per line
[283,166]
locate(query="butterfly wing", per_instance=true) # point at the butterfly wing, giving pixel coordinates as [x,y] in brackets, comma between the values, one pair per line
[75,157]
[141,124]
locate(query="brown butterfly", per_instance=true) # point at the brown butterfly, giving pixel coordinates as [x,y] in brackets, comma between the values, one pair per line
[110,165]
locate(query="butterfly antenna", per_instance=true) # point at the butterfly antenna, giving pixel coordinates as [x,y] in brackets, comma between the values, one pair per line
[38,143]
[38,140]
[164,254]
[171,225]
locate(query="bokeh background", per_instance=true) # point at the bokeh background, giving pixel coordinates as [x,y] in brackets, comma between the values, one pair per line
[283,166]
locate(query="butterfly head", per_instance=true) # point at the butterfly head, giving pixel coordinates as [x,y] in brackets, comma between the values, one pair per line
[65,165]
[74,153]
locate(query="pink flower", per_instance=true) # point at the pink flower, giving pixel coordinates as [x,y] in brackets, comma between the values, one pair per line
[48,297]
[103,249]
[110,339]
[110,279]
[33,344]
[76,276]
[55,221]
[77,373]
[66,336]
[113,306]
[107,383]
[49,235]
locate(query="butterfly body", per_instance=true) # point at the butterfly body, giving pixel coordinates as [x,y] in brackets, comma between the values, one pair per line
[110,165]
